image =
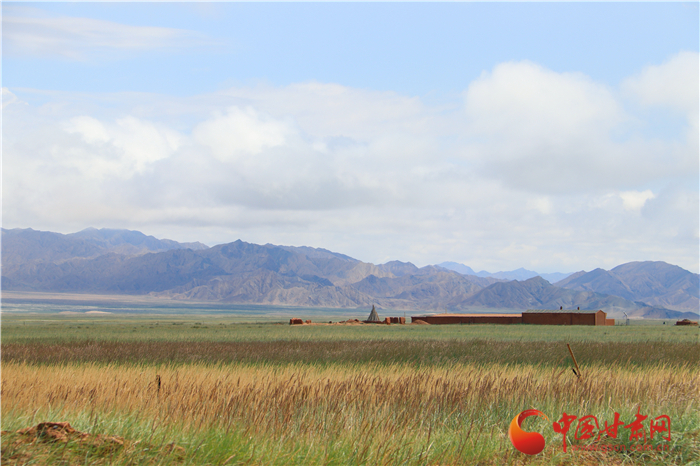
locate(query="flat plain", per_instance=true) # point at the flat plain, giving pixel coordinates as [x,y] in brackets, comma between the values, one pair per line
[207,388]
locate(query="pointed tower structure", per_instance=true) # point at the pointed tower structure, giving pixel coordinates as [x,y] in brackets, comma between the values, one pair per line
[373,316]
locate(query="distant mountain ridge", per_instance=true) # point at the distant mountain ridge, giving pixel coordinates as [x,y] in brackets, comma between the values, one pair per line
[538,293]
[655,283]
[128,262]
[111,239]
[518,274]
[28,245]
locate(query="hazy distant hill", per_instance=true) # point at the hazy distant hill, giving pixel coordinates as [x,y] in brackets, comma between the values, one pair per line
[27,245]
[131,242]
[518,274]
[128,262]
[429,290]
[537,293]
[20,246]
[657,284]
[457,267]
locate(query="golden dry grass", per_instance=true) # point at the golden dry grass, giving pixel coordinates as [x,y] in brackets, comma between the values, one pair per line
[264,395]
[199,389]
[397,406]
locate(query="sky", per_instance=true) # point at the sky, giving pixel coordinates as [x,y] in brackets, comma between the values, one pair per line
[552,136]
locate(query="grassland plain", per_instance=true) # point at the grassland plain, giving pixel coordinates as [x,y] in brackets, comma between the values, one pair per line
[232,393]
[53,327]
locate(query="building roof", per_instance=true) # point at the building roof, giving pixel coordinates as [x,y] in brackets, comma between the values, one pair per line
[469,315]
[561,311]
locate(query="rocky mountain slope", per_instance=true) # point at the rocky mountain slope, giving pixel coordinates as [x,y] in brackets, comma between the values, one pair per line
[656,284]
[127,262]
[21,246]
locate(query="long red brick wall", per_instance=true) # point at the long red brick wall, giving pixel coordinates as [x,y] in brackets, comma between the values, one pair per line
[534,318]
[466,319]
[564,318]
[541,318]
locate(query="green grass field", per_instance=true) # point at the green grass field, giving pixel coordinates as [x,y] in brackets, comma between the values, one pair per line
[47,328]
[209,389]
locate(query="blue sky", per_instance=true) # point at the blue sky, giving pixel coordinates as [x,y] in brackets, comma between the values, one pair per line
[551,136]
[411,48]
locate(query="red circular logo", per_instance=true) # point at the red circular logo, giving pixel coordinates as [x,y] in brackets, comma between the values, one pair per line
[530,443]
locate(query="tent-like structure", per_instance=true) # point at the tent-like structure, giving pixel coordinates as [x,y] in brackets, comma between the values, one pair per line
[373,316]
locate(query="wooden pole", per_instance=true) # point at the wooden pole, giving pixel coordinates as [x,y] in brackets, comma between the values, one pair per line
[577,371]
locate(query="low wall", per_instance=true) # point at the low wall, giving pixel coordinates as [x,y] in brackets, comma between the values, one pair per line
[469,319]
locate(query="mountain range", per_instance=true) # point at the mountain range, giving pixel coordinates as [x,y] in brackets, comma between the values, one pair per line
[129,262]
[518,274]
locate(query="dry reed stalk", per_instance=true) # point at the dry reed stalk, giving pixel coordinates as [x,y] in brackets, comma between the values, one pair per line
[396,401]
[577,372]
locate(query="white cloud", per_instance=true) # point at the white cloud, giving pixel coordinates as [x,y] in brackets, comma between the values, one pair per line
[26,31]
[89,128]
[635,200]
[541,204]
[673,83]
[325,110]
[527,101]
[126,147]
[544,131]
[549,132]
[240,132]
[8,98]
[528,170]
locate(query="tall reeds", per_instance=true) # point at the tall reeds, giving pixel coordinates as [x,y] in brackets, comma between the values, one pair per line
[376,412]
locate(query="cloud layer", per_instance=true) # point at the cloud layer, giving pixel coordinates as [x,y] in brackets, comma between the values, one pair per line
[32,32]
[527,167]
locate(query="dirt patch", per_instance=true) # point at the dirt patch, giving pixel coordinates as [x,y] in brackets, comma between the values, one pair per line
[351,322]
[39,441]
[51,432]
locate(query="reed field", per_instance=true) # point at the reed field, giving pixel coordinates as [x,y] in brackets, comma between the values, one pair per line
[341,395]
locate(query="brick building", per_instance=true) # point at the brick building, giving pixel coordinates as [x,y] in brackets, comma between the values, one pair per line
[566,317]
[534,317]
[438,319]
